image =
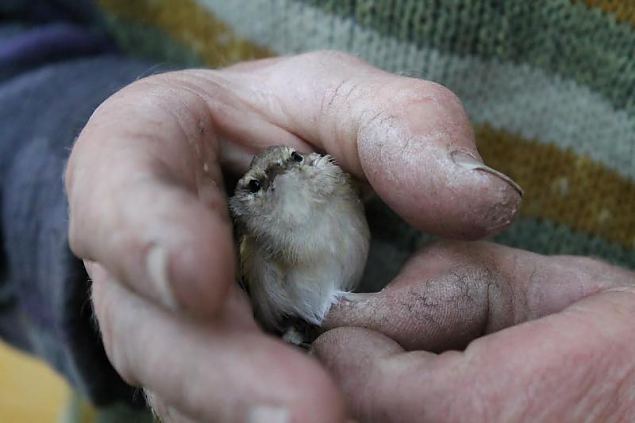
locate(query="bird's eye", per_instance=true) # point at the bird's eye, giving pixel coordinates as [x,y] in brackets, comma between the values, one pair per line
[254,185]
[297,157]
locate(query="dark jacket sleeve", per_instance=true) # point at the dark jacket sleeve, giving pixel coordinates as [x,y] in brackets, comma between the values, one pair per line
[44,291]
[35,33]
[57,64]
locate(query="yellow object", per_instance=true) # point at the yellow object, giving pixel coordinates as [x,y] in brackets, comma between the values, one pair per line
[29,390]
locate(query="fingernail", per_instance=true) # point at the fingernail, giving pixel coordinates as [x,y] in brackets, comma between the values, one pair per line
[157,265]
[465,160]
[268,414]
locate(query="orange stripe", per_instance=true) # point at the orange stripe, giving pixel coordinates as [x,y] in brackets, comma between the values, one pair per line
[559,185]
[192,25]
[563,186]
[623,10]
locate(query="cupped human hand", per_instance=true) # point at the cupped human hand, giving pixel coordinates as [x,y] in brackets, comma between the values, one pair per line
[148,215]
[480,332]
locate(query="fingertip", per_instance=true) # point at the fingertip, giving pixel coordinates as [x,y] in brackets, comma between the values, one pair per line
[347,351]
[293,382]
[165,244]
[486,203]
[420,156]
[324,398]
[203,269]
[449,194]
[351,355]
[213,371]
[157,266]
[343,345]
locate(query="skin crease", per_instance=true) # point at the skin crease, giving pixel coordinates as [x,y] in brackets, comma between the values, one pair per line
[448,297]
[149,217]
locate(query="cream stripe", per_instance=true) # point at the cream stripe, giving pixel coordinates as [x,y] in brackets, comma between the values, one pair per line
[544,106]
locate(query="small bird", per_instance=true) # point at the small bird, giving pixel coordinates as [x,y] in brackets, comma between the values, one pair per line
[303,235]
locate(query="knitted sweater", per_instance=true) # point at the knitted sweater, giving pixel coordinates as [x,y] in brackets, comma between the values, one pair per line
[548,84]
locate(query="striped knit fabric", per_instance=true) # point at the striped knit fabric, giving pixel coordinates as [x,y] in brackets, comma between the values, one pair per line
[548,84]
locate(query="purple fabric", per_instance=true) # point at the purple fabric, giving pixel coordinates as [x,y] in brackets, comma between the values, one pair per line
[44,290]
[49,42]
[52,61]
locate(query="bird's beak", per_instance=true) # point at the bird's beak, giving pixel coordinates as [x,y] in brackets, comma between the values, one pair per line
[274,170]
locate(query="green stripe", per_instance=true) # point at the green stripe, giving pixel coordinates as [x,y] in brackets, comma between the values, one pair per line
[545,237]
[548,238]
[571,40]
[190,24]
[515,98]
[394,240]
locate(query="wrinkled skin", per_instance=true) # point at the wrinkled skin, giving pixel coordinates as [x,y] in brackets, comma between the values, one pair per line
[148,215]
[542,339]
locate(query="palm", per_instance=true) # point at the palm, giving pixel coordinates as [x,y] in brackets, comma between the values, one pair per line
[513,329]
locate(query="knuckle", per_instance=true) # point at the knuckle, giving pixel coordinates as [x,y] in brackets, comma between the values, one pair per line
[165,91]
[171,95]
[375,121]
[339,97]
[344,90]
[429,89]
[410,92]
[183,101]
[392,99]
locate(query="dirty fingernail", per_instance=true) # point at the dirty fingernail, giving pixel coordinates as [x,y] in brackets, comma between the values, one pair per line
[268,414]
[467,161]
[157,267]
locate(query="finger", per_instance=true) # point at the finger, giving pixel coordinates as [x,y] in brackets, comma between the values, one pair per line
[212,372]
[145,188]
[145,197]
[581,356]
[411,139]
[454,292]
[356,357]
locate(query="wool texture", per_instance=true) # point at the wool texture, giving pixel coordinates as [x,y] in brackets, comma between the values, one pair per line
[548,84]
